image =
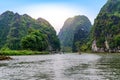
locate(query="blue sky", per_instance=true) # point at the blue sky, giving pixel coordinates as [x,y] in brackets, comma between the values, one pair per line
[55,11]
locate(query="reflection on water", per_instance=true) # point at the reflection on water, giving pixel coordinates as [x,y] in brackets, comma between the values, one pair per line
[62,67]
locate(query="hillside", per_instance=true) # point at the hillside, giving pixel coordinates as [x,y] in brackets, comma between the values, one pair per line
[106,29]
[13,27]
[74,29]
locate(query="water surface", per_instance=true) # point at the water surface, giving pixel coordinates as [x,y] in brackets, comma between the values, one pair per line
[62,67]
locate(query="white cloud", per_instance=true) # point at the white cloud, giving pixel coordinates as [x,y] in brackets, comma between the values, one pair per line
[56,14]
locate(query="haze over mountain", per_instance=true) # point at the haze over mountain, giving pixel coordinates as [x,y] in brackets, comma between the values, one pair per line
[74,29]
[54,11]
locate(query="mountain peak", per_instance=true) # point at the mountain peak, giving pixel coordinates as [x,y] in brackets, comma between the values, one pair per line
[111,6]
[26,15]
[6,13]
[43,21]
[13,27]
[106,27]
[74,29]
[113,0]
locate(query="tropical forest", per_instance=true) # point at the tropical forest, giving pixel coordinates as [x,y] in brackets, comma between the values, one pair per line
[60,40]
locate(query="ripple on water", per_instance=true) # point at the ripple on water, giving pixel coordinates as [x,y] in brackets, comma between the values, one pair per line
[61,67]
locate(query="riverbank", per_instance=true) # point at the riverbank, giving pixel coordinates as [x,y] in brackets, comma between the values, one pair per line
[5,58]
[97,52]
[22,52]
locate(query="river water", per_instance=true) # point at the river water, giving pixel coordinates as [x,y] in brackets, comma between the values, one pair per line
[62,67]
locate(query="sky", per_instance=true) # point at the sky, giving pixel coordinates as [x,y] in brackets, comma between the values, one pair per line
[54,11]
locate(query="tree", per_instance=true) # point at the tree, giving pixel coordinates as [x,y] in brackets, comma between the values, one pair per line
[77,44]
[117,41]
[35,41]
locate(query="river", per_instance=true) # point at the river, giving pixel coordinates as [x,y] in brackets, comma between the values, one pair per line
[62,67]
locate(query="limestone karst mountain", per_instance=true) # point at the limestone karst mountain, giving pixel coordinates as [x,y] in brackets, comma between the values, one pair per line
[106,29]
[13,27]
[74,30]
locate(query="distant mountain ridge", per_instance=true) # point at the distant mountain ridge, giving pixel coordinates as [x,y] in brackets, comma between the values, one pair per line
[74,29]
[13,27]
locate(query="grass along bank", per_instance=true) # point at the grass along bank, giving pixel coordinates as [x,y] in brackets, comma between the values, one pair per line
[21,52]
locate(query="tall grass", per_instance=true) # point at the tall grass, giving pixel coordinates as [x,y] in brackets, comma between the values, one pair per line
[21,52]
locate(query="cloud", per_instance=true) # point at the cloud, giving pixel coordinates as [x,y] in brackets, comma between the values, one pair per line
[56,14]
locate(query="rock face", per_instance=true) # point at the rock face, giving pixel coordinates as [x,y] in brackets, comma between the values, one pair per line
[106,29]
[74,29]
[94,46]
[13,27]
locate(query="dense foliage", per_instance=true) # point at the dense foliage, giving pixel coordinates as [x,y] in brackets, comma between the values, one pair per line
[13,27]
[35,41]
[107,26]
[75,29]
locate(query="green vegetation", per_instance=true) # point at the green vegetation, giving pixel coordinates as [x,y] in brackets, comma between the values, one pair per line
[23,35]
[35,41]
[74,30]
[6,51]
[107,26]
[22,52]
[21,32]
